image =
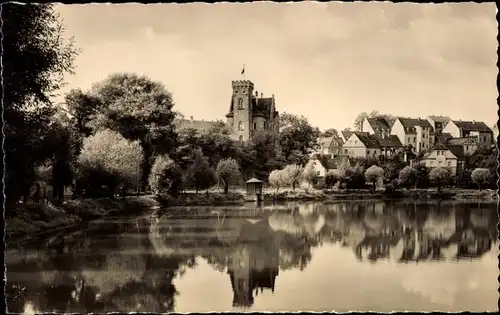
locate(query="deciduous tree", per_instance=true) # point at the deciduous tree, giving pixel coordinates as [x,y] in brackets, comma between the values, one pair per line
[293,174]
[165,176]
[228,172]
[297,138]
[439,176]
[309,174]
[408,176]
[374,174]
[481,176]
[277,179]
[200,173]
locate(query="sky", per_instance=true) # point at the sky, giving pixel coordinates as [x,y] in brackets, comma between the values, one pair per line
[326,61]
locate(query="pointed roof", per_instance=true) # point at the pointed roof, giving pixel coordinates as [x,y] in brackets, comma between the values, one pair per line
[368,140]
[441,119]
[253,180]
[390,141]
[410,123]
[378,124]
[472,126]
[462,141]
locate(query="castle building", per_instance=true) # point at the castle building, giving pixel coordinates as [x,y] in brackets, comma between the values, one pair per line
[250,114]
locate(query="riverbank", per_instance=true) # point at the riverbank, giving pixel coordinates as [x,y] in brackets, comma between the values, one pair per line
[327,195]
[32,221]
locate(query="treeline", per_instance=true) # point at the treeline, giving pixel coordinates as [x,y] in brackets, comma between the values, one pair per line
[119,135]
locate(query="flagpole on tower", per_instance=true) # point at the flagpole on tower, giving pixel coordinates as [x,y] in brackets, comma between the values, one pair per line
[243,72]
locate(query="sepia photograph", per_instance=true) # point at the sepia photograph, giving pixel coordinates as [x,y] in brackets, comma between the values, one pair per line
[250,157]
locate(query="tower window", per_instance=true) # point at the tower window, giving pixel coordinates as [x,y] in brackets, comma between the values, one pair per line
[241,138]
[240,103]
[240,126]
[254,126]
[264,124]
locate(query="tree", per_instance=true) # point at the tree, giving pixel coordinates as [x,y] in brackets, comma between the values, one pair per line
[358,122]
[107,158]
[422,173]
[82,107]
[165,176]
[297,138]
[439,176]
[332,177]
[228,171]
[139,109]
[481,176]
[277,179]
[293,174]
[374,174]
[309,173]
[408,176]
[200,173]
[38,59]
[331,132]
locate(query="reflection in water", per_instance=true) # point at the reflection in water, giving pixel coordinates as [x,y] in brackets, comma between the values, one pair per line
[131,266]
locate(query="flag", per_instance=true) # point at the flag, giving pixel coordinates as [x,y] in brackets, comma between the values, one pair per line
[243,70]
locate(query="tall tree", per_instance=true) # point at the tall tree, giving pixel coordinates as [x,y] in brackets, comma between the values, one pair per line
[297,138]
[140,109]
[38,56]
[331,132]
[82,107]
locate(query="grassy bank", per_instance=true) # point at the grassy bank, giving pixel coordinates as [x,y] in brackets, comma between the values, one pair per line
[28,221]
[364,194]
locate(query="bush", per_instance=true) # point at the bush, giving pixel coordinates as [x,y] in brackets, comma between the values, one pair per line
[331,178]
[109,159]
[408,176]
[293,175]
[309,174]
[278,179]
[374,174]
[165,177]
[199,174]
[228,172]
[481,176]
[439,176]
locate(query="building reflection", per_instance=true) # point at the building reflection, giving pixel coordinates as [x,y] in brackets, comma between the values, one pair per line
[254,264]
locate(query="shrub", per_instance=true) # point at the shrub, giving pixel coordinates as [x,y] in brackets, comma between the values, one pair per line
[439,176]
[374,174]
[228,171]
[481,176]
[332,177]
[277,179]
[293,175]
[165,176]
[408,176]
[200,174]
[109,159]
[309,173]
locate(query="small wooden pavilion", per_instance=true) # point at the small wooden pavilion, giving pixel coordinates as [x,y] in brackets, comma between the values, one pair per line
[254,188]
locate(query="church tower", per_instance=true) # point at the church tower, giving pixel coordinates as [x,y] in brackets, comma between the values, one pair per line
[239,117]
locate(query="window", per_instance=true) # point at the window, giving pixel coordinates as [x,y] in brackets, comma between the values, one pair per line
[264,125]
[432,163]
[345,151]
[317,173]
[240,126]
[367,151]
[240,103]
[241,138]
[414,139]
[254,126]
[449,163]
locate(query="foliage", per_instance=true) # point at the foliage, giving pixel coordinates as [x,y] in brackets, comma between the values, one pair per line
[278,179]
[139,109]
[108,158]
[374,174]
[331,132]
[293,174]
[165,176]
[38,58]
[309,173]
[481,176]
[82,107]
[358,122]
[228,172]
[355,177]
[408,176]
[199,173]
[332,177]
[421,176]
[439,176]
[297,138]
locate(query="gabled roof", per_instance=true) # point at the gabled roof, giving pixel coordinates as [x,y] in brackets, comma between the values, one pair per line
[347,134]
[441,119]
[472,126]
[390,141]
[409,124]
[378,124]
[368,141]
[325,141]
[443,137]
[328,164]
[457,150]
[462,141]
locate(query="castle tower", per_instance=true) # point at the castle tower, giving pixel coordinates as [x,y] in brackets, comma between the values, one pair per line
[239,117]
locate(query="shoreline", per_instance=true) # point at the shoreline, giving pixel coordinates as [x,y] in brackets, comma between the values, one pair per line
[33,222]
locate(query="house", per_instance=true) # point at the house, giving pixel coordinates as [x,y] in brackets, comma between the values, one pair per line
[389,144]
[330,145]
[442,138]
[322,164]
[250,114]
[203,126]
[416,133]
[361,144]
[478,129]
[376,125]
[438,122]
[469,144]
[450,157]
[345,135]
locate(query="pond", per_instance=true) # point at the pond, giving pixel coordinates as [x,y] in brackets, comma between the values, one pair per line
[349,256]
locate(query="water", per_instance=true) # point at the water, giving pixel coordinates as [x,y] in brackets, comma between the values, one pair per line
[351,256]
